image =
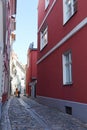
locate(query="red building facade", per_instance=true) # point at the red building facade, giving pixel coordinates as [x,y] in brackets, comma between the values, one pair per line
[31,72]
[62,45]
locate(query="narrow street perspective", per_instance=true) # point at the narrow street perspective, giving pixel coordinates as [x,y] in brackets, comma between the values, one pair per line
[27,114]
[43,65]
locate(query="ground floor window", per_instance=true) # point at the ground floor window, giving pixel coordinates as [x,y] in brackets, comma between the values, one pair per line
[67,68]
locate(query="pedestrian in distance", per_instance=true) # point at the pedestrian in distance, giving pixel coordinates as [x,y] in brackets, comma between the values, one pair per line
[18,94]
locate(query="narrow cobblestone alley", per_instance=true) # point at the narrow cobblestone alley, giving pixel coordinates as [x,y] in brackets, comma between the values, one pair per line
[27,114]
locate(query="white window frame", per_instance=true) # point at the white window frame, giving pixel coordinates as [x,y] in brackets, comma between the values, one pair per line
[46,3]
[69,8]
[43,38]
[67,68]
[27,61]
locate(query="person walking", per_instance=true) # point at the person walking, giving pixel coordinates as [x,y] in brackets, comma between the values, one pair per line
[16,92]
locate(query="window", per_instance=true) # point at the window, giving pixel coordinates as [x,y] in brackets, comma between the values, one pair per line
[69,8]
[68,110]
[27,61]
[44,38]
[67,68]
[46,3]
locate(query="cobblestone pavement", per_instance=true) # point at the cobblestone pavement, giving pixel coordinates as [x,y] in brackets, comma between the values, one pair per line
[27,114]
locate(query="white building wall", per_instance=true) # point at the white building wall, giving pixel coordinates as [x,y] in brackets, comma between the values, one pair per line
[21,76]
[18,80]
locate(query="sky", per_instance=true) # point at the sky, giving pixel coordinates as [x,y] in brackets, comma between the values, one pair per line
[26,28]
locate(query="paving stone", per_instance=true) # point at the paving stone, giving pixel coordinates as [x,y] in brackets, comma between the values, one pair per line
[27,114]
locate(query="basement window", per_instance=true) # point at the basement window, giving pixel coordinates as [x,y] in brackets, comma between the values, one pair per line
[68,110]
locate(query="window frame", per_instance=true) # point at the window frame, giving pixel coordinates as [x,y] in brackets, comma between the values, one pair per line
[43,33]
[28,62]
[67,67]
[66,7]
[46,3]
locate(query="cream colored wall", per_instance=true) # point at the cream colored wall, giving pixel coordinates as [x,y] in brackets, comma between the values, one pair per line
[16,81]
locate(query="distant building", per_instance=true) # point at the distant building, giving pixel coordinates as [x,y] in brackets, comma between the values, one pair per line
[31,71]
[17,71]
[62,54]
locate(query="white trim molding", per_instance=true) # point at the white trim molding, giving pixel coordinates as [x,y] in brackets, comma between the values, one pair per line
[47,14]
[61,42]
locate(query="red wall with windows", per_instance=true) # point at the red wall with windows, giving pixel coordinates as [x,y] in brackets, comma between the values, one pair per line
[56,29]
[50,71]
[31,70]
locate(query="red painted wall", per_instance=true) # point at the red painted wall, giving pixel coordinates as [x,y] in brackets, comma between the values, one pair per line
[27,81]
[33,63]
[56,30]
[41,12]
[50,77]
[31,70]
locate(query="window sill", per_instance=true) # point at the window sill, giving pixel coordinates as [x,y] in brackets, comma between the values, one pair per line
[46,7]
[64,23]
[68,84]
[43,47]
